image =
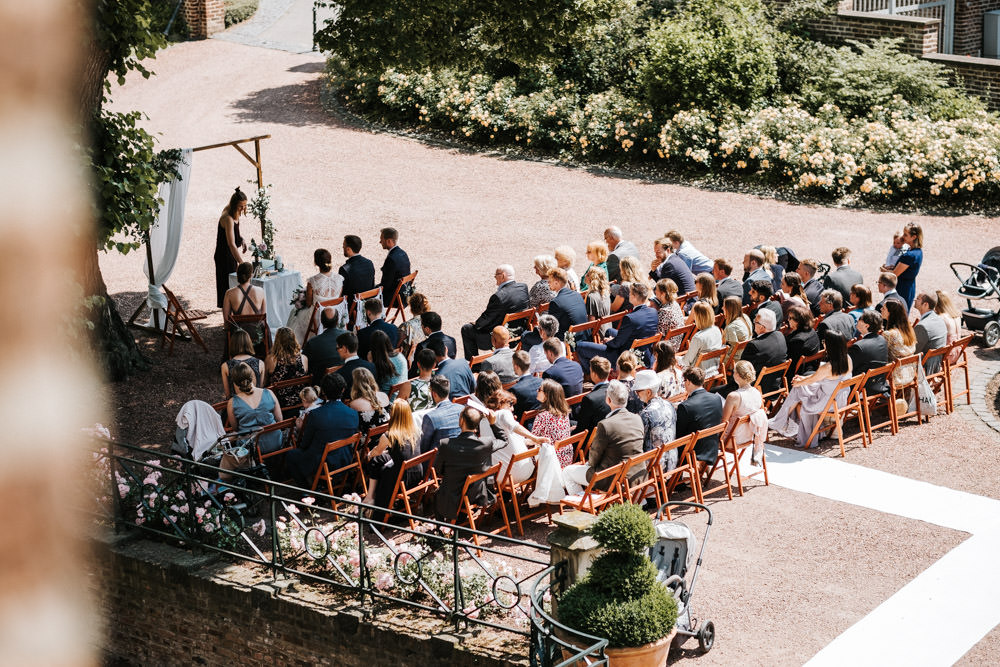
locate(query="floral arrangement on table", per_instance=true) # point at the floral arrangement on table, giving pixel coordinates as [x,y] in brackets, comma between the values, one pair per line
[260,207]
[298,301]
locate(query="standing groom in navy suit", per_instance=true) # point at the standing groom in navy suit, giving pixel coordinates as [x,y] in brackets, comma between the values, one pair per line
[638,324]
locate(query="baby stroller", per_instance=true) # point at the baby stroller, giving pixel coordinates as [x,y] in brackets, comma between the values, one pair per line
[675,545]
[981,282]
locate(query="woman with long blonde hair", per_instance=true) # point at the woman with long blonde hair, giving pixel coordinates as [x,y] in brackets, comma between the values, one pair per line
[400,442]
[598,299]
[367,399]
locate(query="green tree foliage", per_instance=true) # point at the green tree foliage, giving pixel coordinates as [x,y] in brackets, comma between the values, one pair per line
[123,32]
[712,53]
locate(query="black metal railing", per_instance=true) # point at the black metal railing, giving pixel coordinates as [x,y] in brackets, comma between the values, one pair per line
[370,553]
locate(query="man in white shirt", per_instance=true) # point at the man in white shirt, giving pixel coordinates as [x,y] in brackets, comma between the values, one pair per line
[548,327]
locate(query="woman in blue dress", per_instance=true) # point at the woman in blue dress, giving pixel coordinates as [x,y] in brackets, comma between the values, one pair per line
[253,408]
[908,267]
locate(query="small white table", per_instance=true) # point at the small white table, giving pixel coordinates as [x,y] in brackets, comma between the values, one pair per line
[278,290]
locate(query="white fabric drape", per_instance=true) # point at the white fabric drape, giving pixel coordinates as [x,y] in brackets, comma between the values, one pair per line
[165,238]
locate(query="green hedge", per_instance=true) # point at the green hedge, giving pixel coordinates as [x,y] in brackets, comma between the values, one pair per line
[238,11]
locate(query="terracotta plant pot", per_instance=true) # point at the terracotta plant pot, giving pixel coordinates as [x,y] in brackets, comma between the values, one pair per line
[647,655]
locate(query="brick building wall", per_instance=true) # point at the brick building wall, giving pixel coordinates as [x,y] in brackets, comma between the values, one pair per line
[163,606]
[981,76]
[920,34]
[969,25]
[204,17]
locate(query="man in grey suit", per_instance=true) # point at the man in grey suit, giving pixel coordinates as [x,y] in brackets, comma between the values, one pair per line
[843,278]
[930,330]
[618,250]
[502,361]
[510,297]
[618,436]
[887,288]
[835,319]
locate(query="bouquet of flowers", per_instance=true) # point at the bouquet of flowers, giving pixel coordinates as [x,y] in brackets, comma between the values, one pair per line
[259,250]
[298,299]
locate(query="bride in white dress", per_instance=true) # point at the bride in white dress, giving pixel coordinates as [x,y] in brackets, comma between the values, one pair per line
[324,285]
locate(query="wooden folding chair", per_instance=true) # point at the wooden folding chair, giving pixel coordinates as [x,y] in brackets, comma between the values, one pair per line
[593,326]
[870,401]
[519,491]
[704,472]
[478,359]
[413,497]
[669,479]
[575,441]
[685,332]
[735,352]
[941,380]
[314,320]
[248,323]
[462,400]
[612,319]
[592,500]
[357,303]
[808,359]
[333,369]
[729,445]
[682,299]
[397,301]
[299,382]
[839,415]
[222,407]
[775,396]
[400,390]
[527,416]
[720,375]
[287,428]
[636,492]
[330,476]
[900,390]
[961,362]
[176,315]
[474,512]
[642,345]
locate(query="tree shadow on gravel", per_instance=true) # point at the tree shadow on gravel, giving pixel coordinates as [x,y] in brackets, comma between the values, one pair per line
[316,67]
[296,104]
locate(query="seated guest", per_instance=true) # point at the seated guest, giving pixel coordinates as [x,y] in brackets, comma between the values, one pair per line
[669,316]
[930,330]
[373,312]
[811,285]
[617,437]
[396,265]
[887,289]
[553,421]
[745,400]
[564,371]
[246,299]
[842,277]
[458,457]
[502,361]
[738,327]
[241,352]
[772,266]
[367,399]
[487,384]
[699,411]
[593,408]
[834,319]
[525,387]
[947,311]
[430,322]
[540,292]
[900,338]
[707,338]
[870,351]
[753,270]
[668,367]
[252,407]
[629,273]
[565,259]
[505,428]
[331,421]
[673,268]
[441,421]
[659,418]
[548,327]
[457,371]
[704,287]
[420,386]
[638,324]
[767,349]
[725,285]
[358,271]
[799,413]
[321,350]
[510,297]
[285,362]
[618,249]
[567,306]
[627,365]
[597,254]
[309,396]
[598,299]
[760,299]
[400,442]
[861,299]
[801,341]
[790,294]
[347,348]
[411,332]
[390,364]
[695,261]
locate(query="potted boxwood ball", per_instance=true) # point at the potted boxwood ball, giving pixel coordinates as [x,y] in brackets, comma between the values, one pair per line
[620,598]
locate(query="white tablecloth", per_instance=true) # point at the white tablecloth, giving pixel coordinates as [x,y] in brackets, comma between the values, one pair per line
[278,290]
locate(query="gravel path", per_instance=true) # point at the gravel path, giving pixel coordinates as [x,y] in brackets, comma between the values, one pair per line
[784,556]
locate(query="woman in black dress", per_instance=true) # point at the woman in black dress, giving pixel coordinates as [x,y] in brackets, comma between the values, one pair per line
[229,244]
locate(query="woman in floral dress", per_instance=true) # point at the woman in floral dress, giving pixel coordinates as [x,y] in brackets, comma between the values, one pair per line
[553,421]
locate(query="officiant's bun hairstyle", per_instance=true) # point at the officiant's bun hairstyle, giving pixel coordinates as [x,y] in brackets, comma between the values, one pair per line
[323,259]
[243,272]
[234,202]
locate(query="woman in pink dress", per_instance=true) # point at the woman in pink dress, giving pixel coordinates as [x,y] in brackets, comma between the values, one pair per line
[553,421]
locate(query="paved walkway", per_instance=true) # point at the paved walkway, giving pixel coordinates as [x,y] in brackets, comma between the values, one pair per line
[285,25]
